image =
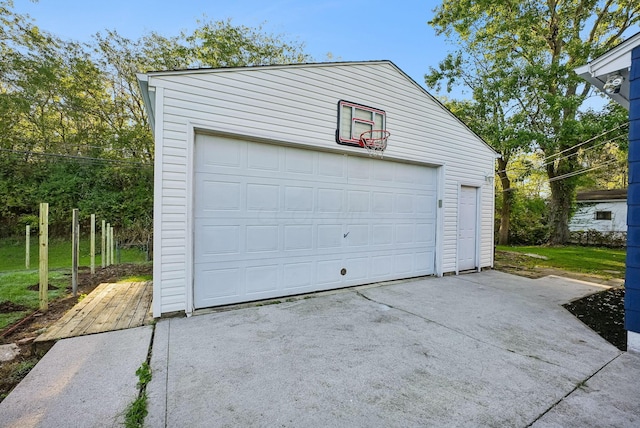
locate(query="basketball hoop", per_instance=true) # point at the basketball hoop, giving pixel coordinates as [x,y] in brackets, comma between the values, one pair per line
[375,141]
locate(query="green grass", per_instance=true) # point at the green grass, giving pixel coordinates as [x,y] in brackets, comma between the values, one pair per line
[12,254]
[137,278]
[14,287]
[589,260]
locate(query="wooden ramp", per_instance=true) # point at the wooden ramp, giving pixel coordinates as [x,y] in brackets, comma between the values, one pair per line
[108,307]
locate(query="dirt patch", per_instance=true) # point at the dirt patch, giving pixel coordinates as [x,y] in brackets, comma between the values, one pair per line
[8,307]
[30,327]
[36,287]
[603,312]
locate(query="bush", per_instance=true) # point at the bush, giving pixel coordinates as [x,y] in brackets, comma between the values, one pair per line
[529,225]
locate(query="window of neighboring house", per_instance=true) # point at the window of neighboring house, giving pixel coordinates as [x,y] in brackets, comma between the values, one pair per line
[603,215]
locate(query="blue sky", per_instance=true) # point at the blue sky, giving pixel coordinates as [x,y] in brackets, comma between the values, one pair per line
[351,30]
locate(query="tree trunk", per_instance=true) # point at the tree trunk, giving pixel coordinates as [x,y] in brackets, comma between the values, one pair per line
[507,203]
[561,195]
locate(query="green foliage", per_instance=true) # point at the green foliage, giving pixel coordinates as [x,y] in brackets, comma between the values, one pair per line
[529,224]
[73,129]
[518,59]
[599,261]
[144,374]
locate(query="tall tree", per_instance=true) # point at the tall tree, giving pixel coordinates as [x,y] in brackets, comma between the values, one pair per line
[493,114]
[541,42]
[73,129]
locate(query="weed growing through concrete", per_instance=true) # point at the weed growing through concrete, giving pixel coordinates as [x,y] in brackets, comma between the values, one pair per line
[137,410]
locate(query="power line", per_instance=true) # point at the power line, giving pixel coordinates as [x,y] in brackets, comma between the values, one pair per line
[86,158]
[580,144]
[586,142]
[563,157]
[582,171]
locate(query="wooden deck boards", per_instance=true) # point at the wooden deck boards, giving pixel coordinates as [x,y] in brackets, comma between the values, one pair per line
[108,307]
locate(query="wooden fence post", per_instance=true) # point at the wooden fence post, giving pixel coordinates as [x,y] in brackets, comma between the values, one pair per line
[103,249]
[113,247]
[92,247]
[75,239]
[43,233]
[27,257]
[108,250]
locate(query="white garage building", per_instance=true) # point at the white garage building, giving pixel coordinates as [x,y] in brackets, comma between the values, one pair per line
[262,189]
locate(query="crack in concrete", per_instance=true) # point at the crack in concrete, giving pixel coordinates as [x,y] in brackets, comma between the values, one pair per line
[456,330]
[578,386]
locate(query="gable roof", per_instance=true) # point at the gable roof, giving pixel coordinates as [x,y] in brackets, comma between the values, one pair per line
[616,60]
[148,96]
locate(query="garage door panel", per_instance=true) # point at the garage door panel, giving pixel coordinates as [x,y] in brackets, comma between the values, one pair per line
[328,272]
[297,198]
[298,161]
[425,233]
[298,237]
[274,220]
[263,157]
[331,166]
[358,267]
[381,266]
[330,200]
[329,236]
[403,263]
[424,262]
[297,275]
[262,238]
[356,235]
[219,282]
[218,239]
[227,153]
[263,197]
[261,279]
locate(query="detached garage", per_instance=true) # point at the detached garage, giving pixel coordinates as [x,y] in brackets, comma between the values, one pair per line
[279,180]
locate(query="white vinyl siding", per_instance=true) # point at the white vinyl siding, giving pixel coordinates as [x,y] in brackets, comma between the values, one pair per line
[298,105]
[586,216]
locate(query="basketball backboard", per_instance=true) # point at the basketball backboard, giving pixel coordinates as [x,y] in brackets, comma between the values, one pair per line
[354,119]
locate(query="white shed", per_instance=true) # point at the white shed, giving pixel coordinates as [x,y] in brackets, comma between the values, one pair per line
[603,211]
[262,189]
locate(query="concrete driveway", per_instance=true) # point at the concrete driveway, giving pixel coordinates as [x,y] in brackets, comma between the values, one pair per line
[485,349]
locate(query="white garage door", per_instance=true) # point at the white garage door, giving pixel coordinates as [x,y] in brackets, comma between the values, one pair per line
[272,220]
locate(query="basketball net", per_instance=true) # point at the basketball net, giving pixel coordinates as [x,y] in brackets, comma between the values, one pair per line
[375,141]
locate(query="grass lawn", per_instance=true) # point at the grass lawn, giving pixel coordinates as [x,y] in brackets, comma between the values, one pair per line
[605,262]
[21,288]
[12,254]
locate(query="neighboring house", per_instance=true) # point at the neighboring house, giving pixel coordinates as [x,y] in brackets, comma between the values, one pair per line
[601,211]
[262,189]
[617,73]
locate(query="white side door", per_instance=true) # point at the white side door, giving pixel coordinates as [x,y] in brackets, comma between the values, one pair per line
[467,228]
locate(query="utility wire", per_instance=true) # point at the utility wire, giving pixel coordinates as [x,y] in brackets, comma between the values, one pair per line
[587,141]
[582,171]
[581,144]
[563,157]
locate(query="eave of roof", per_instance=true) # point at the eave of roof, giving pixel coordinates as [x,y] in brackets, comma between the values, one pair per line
[615,60]
[602,195]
